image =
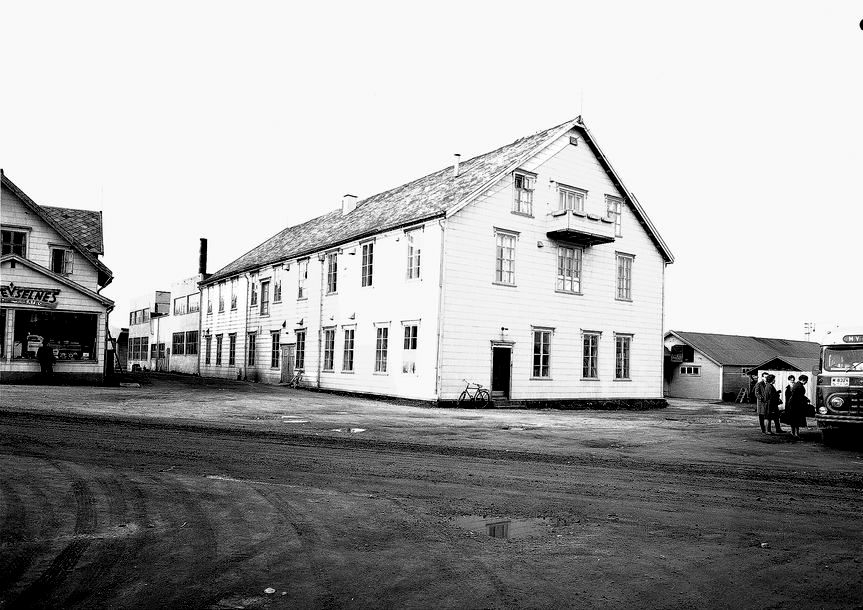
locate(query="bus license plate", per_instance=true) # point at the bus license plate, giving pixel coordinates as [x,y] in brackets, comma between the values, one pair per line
[839,381]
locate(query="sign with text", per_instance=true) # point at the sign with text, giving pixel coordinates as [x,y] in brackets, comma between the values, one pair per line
[27,295]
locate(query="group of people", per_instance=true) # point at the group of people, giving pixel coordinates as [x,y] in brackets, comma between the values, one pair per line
[768,399]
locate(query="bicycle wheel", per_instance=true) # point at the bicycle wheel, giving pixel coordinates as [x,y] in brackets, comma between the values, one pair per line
[483,398]
[463,398]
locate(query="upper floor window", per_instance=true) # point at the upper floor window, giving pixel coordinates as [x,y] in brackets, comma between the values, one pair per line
[367,263]
[332,272]
[14,242]
[265,298]
[569,269]
[233,294]
[302,276]
[209,300]
[195,302]
[541,353]
[590,356]
[253,296]
[615,212]
[61,261]
[624,277]
[623,345]
[504,265]
[414,239]
[180,304]
[277,286]
[571,199]
[221,298]
[522,202]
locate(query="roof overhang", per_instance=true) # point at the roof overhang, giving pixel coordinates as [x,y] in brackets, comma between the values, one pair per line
[579,238]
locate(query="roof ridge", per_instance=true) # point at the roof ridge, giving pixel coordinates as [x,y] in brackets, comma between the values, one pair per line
[697,332]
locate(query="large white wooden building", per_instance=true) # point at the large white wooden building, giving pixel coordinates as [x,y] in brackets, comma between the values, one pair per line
[530,269]
[51,278]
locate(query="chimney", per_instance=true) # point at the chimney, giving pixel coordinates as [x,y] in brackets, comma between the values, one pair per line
[455,165]
[202,258]
[349,204]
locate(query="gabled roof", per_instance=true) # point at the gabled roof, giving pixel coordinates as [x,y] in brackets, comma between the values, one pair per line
[435,195]
[742,351]
[83,225]
[72,225]
[57,277]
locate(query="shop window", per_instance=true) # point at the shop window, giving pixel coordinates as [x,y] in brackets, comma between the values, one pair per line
[14,242]
[61,261]
[71,335]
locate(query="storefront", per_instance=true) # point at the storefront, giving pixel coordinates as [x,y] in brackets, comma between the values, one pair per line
[37,307]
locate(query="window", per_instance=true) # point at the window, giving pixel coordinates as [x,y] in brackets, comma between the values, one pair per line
[367,263]
[277,288]
[409,351]
[332,272]
[571,199]
[61,261]
[541,353]
[381,349]
[690,371]
[191,343]
[161,350]
[221,298]
[71,335]
[300,354]
[504,268]
[178,344]
[218,350]
[232,349]
[253,298]
[523,197]
[145,314]
[329,348]
[274,351]
[252,348]
[615,212]
[265,298]
[622,353]
[624,277]
[14,242]
[233,294]
[180,306]
[569,269]
[302,276]
[348,354]
[194,302]
[208,344]
[414,252]
[153,351]
[589,368]
[209,300]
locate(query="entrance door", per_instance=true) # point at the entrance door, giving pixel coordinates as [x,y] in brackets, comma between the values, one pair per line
[501,358]
[287,363]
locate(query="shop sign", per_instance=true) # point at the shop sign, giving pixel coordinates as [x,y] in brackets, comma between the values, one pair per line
[26,295]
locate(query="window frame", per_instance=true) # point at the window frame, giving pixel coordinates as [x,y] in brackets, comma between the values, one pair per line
[522,196]
[10,243]
[382,332]
[623,276]
[192,342]
[694,370]
[413,244]
[178,348]
[300,350]
[221,295]
[348,348]
[302,277]
[410,346]
[542,330]
[590,358]
[232,349]
[252,348]
[614,211]
[367,256]
[579,194]
[68,259]
[208,346]
[219,345]
[275,349]
[329,349]
[265,297]
[234,285]
[623,358]
[332,262]
[561,279]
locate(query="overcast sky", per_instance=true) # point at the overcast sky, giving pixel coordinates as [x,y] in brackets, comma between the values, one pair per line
[738,125]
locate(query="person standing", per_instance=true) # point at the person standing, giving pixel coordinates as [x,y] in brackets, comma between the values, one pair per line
[796,406]
[788,389]
[761,402]
[773,402]
[45,356]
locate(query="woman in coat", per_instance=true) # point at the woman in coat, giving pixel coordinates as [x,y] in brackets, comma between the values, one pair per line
[762,404]
[773,402]
[797,406]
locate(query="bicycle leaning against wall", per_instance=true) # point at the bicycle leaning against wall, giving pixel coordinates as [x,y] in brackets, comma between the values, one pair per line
[474,397]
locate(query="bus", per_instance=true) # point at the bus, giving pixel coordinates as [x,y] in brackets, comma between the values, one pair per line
[839,389]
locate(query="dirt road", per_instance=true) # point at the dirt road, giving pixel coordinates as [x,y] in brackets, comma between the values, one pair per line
[187,494]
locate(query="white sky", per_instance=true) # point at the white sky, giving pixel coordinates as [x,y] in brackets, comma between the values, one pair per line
[738,125]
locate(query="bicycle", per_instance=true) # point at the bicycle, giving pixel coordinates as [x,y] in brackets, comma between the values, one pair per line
[296,380]
[474,396]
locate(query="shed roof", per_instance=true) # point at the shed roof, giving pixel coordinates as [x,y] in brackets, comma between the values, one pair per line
[431,196]
[743,350]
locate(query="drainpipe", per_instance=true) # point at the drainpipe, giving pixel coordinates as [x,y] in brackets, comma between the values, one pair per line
[322,258]
[439,354]
[245,327]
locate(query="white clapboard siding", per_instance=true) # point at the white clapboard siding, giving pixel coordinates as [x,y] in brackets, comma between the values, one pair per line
[706,386]
[475,308]
[41,236]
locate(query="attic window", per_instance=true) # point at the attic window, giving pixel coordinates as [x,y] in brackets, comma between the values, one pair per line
[61,261]
[14,242]
[522,194]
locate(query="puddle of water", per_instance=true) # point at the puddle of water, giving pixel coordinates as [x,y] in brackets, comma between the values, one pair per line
[502,527]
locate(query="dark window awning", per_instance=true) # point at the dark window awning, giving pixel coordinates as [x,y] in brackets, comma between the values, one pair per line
[579,238]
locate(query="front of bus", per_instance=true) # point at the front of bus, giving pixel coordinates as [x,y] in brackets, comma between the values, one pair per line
[840,385]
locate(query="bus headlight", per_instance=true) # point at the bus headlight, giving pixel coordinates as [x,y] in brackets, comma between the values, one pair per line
[822,410]
[836,402]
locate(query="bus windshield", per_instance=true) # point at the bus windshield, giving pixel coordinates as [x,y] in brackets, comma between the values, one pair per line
[843,359]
